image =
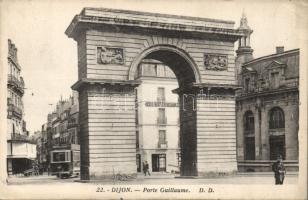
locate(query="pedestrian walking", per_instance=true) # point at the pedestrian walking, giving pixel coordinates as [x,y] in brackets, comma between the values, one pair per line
[279,171]
[146,168]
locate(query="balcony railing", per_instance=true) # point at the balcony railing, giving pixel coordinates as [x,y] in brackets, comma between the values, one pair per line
[72,124]
[14,110]
[163,145]
[277,132]
[21,138]
[249,133]
[18,84]
[162,120]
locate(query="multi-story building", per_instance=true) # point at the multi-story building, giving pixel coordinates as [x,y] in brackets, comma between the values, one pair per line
[42,148]
[21,150]
[267,106]
[64,122]
[157,118]
[61,130]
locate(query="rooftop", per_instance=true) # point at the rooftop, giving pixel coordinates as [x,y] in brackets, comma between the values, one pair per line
[271,56]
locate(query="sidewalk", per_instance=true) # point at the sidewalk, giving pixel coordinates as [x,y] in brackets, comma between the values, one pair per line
[263,174]
[238,174]
[160,179]
[157,175]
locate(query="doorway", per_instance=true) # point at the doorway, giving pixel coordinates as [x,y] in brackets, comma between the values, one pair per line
[158,162]
[249,148]
[277,147]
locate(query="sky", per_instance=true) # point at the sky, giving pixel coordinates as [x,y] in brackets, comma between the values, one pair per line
[49,58]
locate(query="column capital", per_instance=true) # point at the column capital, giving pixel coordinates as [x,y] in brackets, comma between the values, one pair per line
[86,81]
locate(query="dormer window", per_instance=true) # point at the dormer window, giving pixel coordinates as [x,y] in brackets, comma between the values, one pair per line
[275,80]
[276,72]
[247,85]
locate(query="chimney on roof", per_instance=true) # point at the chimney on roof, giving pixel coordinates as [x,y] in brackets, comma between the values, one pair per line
[280,49]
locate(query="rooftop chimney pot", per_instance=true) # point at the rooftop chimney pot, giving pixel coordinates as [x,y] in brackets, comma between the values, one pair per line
[280,49]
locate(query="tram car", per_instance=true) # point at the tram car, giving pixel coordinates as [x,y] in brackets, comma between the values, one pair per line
[65,163]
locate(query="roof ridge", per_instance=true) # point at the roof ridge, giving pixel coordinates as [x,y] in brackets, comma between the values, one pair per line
[271,56]
[146,13]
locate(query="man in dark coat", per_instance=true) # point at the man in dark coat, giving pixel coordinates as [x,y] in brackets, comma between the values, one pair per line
[146,168]
[279,170]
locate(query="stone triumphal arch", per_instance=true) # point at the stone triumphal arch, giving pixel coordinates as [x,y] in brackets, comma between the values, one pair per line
[111,45]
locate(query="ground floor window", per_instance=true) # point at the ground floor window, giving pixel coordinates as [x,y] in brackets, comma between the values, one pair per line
[19,165]
[158,162]
[249,148]
[277,147]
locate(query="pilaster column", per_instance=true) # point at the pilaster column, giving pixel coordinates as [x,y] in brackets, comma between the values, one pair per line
[215,130]
[107,130]
[264,135]
[240,131]
[257,121]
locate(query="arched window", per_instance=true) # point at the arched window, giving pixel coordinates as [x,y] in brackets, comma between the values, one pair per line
[276,118]
[249,139]
[276,133]
[249,123]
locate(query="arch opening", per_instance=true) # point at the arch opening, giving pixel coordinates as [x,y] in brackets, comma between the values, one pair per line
[186,74]
[179,61]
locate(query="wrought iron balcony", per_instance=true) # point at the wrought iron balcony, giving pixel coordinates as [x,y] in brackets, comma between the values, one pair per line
[163,145]
[276,132]
[72,122]
[249,133]
[13,110]
[21,138]
[17,84]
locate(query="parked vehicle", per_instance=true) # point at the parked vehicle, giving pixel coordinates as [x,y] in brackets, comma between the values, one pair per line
[30,172]
[65,163]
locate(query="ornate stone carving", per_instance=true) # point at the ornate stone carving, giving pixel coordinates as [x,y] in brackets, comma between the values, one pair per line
[216,62]
[108,55]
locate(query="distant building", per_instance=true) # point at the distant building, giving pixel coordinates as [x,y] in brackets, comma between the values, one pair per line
[21,149]
[267,107]
[61,132]
[42,148]
[157,118]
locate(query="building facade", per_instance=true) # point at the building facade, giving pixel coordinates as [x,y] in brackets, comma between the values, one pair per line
[157,118]
[42,148]
[267,107]
[61,132]
[21,149]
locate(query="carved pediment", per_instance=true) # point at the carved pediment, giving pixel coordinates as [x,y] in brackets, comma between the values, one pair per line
[275,64]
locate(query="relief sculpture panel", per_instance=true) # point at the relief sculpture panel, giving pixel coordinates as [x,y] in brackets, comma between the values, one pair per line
[109,55]
[216,62]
